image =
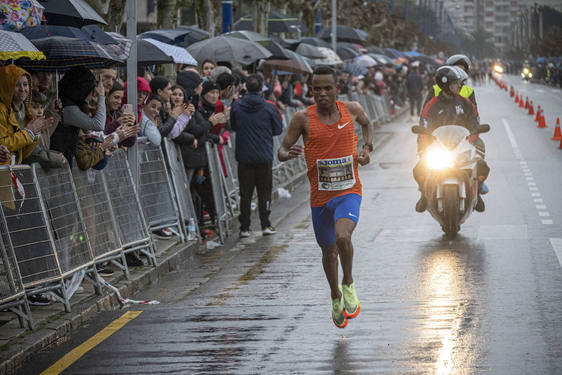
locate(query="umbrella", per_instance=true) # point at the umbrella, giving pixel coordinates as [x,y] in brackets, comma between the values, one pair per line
[401,60]
[355,69]
[122,49]
[170,36]
[296,64]
[248,35]
[309,51]
[330,57]
[17,15]
[244,23]
[313,41]
[90,33]
[412,53]
[540,60]
[365,60]
[277,51]
[195,35]
[373,49]
[75,13]
[392,53]
[228,49]
[381,59]
[347,53]
[65,53]
[178,54]
[14,46]
[343,33]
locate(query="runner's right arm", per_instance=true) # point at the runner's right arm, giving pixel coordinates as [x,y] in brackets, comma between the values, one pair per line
[289,149]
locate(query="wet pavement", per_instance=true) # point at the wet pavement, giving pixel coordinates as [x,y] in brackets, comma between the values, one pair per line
[489,301]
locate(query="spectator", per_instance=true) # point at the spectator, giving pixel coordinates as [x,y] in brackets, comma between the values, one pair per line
[118,122]
[149,120]
[18,132]
[218,71]
[143,92]
[83,101]
[256,122]
[41,153]
[414,84]
[107,77]
[287,95]
[207,67]
[379,86]
[301,89]
[179,101]
[5,155]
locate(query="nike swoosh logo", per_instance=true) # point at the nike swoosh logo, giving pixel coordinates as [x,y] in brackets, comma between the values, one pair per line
[350,214]
[343,126]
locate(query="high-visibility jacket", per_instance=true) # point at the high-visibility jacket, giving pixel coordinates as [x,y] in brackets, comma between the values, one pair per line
[466,91]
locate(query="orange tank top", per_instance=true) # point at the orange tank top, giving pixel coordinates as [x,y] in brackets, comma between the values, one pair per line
[331,157]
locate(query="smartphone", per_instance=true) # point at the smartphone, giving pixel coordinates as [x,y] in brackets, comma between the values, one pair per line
[127,108]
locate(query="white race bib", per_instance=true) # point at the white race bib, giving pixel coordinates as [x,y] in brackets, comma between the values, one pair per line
[335,174]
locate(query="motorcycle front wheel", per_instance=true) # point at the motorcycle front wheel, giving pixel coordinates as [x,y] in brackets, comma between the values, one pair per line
[451,212]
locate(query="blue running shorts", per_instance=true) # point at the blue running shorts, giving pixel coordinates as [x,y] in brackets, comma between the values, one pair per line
[324,218]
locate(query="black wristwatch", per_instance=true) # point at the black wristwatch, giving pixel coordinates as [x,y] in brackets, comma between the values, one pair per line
[369,146]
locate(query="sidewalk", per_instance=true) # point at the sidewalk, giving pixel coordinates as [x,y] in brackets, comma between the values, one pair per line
[52,323]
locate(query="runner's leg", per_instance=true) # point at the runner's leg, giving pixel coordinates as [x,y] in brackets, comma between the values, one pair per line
[344,229]
[330,264]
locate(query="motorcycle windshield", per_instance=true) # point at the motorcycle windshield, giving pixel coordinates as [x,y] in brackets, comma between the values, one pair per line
[451,135]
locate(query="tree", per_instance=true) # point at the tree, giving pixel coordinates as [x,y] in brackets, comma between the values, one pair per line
[112,11]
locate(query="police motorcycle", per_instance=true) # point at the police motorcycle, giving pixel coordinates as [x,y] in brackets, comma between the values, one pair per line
[451,181]
[526,74]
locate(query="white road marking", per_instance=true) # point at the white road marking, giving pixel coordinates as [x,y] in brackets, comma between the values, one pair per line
[532,183]
[544,214]
[529,178]
[535,194]
[513,142]
[534,189]
[538,200]
[556,91]
[557,247]
[540,90]
[547,222]
[541,207]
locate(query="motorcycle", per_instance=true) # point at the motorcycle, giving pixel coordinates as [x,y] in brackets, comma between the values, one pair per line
[451,181]
[526,74]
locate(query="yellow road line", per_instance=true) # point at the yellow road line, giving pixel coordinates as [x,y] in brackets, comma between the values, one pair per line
[75,354]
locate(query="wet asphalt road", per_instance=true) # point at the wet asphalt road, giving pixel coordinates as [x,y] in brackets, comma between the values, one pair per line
[488,302]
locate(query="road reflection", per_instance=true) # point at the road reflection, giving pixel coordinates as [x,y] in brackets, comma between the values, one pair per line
[450,272]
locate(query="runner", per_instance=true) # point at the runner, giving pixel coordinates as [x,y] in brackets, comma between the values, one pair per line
[331,155]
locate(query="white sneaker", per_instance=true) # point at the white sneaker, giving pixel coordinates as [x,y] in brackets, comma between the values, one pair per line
[244,233]
[269,231]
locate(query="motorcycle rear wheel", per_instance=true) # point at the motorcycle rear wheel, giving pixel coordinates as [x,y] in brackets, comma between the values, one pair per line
[451,211]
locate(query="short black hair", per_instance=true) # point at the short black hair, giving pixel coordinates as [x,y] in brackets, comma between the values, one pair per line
[38,98]
[254,83]
[325,70]
[224,80]
[155,97]
[158,82]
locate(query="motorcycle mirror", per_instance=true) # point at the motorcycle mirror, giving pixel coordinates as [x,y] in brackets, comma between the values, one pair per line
[418,129]
[483,128]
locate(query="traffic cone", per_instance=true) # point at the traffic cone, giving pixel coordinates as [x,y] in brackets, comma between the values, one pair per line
[516,99]
[526,102]
[511,92]
[538,113]
[557,134]
[560,145]
[521,105]
[531,109]
[542,122]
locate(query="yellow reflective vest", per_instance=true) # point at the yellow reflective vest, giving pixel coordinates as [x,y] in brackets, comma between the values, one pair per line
[466,91]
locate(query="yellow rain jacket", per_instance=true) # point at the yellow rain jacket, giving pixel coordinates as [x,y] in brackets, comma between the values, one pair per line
[12,136]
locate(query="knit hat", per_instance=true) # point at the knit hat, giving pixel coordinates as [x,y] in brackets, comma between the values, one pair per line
[188,80]
[209,86]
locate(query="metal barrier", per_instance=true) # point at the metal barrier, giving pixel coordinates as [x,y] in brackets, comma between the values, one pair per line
[180,185]
[12,293]
[230,180]
[155,191]
[215,171]
[125,204]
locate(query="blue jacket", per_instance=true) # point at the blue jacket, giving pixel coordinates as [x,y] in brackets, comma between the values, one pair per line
[255,122]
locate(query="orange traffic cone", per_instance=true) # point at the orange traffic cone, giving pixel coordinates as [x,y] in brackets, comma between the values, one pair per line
[521,105]
[542,122]
[526,102]
[531,109]
[511,91]
[538,113]
[557,134]
[516,98]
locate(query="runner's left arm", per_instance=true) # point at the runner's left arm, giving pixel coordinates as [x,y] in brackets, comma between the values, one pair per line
[367,130]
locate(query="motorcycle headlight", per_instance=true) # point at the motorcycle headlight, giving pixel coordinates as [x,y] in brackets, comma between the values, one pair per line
[530,75]
[522,75]
[439,158]
[526,71]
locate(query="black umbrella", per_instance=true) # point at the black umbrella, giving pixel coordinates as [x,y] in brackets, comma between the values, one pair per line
[244,23]
[277,51]
[343,33]
[195,35]
[347,53]
[90,33]
[75,13]
[313,41]
[65,53]
[227,49]
[170,36]
[149,54]
[377,50]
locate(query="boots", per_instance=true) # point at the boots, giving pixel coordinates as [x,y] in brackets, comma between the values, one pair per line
[421,205]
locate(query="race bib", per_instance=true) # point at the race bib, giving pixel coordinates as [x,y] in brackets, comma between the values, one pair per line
[335,174]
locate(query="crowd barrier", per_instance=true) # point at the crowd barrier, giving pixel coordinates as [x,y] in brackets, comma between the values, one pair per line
[59,223]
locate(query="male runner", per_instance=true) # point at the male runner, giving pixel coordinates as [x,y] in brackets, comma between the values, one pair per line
[330,147]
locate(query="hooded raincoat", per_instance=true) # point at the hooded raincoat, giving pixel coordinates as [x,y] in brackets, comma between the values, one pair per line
[15,138]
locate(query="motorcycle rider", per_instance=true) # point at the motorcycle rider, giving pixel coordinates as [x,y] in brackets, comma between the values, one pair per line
[449,108]
[464,63]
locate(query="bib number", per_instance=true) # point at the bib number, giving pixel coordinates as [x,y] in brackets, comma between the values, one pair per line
[335,174]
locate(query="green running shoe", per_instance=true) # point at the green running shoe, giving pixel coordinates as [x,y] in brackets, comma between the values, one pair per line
[352,305]
[338,312]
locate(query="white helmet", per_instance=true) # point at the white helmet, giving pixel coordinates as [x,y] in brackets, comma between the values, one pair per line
[460,60]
